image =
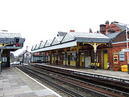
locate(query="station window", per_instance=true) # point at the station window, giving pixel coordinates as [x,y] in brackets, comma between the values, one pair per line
[121,56]
[4,59]
[73,56]
[65,56]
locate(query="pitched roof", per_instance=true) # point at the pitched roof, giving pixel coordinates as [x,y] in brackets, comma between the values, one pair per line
[71,38]
[57,40]
[58,46]
[48,43]
[90,37]
[113,35]
[97,40]
[42,44]
[9,35]
[68,37]
[122,26]
[36,46]
[9,38]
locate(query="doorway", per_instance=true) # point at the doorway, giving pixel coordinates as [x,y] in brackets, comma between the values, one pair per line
[105,59]
[87,61]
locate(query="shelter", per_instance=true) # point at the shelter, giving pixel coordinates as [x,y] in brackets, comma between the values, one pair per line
[9,42]
[78,49]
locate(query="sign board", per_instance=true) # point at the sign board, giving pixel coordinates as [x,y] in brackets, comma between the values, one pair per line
[125,50]
[121,56]
[115,58]
[2,45]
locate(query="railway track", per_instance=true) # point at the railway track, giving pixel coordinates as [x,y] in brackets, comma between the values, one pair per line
[110,83]
[47,80]
[49,75]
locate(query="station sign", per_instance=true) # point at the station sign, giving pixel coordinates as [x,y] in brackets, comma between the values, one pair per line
[125,50]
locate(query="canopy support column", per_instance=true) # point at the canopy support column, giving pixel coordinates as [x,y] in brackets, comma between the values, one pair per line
[95,45]
[1,51]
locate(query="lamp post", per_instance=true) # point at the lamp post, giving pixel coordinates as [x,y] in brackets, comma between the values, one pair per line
[127,48]
[0,64]
[1,60]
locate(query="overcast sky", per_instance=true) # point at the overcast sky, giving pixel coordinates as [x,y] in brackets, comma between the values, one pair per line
[39,20]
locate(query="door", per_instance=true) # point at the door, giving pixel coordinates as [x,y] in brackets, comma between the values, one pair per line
[82,60]
[87,61]
[68,60]
[105,61]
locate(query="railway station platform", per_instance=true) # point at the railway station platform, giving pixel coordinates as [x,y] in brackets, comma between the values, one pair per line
[15,83]
[107,73]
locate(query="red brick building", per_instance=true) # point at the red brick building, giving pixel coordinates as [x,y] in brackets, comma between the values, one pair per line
[116,32]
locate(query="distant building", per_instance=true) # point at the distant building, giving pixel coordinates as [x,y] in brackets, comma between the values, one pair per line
[25,57]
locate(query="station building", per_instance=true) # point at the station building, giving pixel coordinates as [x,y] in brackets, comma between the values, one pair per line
[9,42]
[104,49]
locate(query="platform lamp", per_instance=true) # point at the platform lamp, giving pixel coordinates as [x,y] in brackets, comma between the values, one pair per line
[0,63]
[1,60]
[127,47]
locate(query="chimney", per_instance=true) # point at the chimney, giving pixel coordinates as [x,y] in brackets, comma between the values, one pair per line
[97,31]
[72,31]
[103,28]
[107,22]
[90,30]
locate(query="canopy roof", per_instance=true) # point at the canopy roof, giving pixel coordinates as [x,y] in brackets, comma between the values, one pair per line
[9,40]
[70,39]
[9,35]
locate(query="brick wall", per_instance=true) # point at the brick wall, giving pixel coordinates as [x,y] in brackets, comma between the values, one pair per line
[109,28]
[114,50]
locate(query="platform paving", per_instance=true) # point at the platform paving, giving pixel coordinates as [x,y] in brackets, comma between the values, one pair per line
[15,83]
[109,73]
